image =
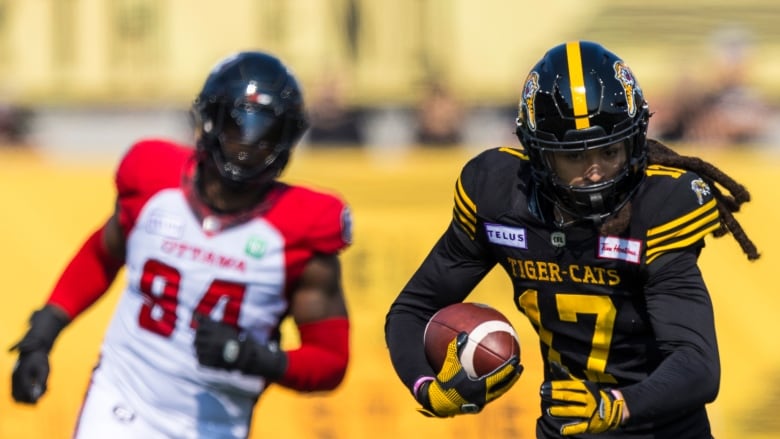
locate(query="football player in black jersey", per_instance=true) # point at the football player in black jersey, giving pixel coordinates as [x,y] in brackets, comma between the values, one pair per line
[599,230]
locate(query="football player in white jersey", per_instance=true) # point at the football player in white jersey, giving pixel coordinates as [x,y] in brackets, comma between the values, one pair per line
[218,252]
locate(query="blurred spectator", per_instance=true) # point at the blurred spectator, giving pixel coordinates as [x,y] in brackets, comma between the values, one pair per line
[439,117]
[721,109]
[333,121]
[14,125]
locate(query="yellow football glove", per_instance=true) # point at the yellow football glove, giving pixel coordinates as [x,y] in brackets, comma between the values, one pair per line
[453,392]
[586,407]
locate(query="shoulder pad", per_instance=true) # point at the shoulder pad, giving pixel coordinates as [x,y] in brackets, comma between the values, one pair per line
[146,168]
[495,171]
[327,226]
[681,210]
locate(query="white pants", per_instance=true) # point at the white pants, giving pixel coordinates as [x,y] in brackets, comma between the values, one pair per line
[104,414]
[108,414]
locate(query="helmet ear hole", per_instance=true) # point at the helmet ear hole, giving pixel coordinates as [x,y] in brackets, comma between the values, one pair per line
[578,97]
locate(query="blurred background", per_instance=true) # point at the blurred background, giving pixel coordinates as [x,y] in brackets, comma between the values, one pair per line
[431,72]
[401,93]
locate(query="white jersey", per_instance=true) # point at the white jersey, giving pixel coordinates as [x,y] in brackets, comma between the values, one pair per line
[184,260]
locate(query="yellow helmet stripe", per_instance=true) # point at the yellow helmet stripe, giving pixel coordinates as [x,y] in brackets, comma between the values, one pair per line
[577,83]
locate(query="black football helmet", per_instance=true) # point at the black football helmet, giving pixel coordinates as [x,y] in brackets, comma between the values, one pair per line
[250,99]
[579,97]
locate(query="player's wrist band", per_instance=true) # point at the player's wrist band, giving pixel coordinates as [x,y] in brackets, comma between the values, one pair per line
[420,381]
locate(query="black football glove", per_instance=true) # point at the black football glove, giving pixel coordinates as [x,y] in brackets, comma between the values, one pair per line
[222,346]
[31,371]
[453,392]
[581,406]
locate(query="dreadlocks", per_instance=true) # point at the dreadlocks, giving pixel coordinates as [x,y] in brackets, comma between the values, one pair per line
[727,203]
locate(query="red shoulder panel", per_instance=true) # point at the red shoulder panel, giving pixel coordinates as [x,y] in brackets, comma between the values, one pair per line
[148,167]
[319,221]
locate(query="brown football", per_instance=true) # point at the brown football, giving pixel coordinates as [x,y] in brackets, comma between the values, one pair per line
[492,339]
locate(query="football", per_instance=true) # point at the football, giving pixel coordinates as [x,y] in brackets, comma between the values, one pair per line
[492,338]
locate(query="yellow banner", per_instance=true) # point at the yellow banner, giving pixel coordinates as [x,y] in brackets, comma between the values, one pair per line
[401,203]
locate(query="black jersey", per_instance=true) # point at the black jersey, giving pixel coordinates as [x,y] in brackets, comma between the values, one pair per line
[629,311]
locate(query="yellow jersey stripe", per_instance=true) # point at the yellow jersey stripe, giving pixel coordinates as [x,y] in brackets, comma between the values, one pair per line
[468,227]
[712,216]
[682,243]
[577,84]
[465,210]
[691,228]
[464,215]
[462,199]
[652,172]
[514,152]
[690,217]
[663,170]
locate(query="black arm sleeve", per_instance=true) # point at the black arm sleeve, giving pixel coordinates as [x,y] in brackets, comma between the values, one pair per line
[681,315]
[448,274]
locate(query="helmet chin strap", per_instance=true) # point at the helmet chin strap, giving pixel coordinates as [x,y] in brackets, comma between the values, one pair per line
[596,202]
[565,218]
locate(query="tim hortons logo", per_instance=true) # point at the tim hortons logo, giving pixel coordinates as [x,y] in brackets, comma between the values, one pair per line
[612,247]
